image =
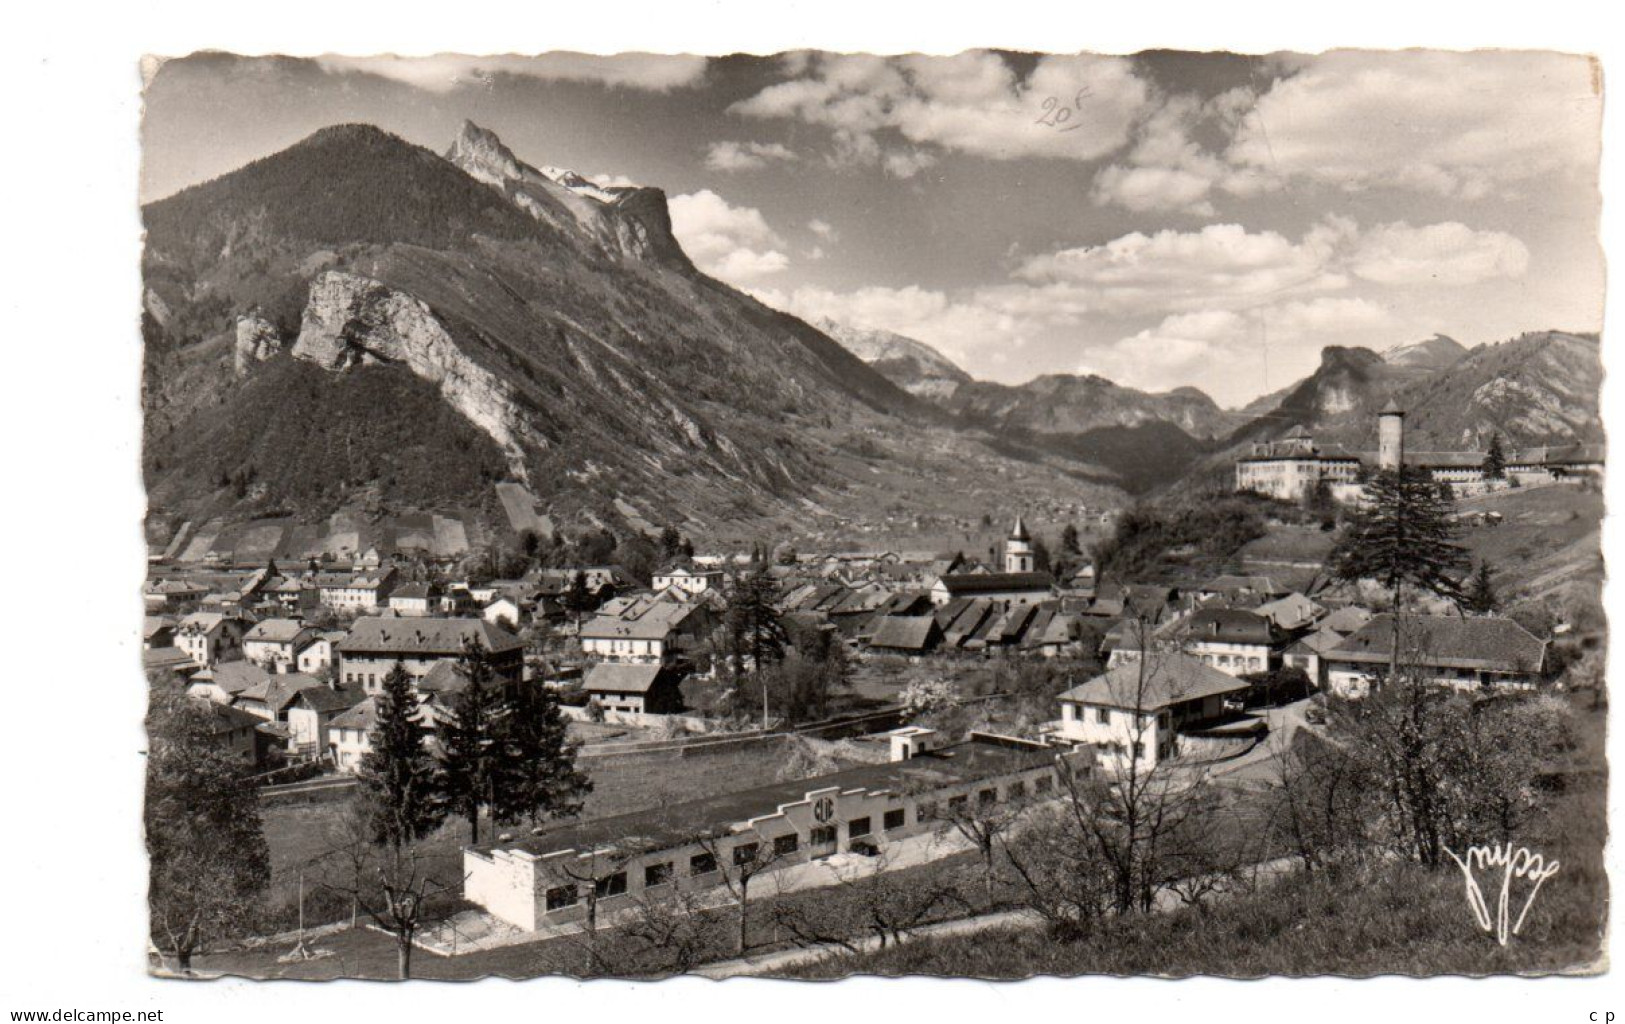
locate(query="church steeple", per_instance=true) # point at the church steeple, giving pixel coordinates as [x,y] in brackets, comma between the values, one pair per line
[1018,550]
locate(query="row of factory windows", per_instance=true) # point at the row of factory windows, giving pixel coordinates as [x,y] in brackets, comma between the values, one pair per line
[818,837]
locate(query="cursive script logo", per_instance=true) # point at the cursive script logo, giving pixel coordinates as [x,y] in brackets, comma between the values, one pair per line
[1513,863]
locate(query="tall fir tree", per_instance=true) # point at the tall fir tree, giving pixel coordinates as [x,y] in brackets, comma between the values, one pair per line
[1495,460]
[754,631]
[208,862]
[398,776]
[472,758]
[1480,597]
[1402,534]
[537,776]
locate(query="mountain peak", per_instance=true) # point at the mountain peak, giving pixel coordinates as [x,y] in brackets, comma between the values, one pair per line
[1435,353]
[481,153]
[631,222]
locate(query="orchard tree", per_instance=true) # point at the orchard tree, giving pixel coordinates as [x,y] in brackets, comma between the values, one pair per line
[209,865]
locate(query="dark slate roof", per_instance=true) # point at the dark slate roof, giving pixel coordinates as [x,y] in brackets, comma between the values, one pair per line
[1230,625]
[362,716]
[228,719]
[236,677]
[326,698]
[424,636]
[613,677]
[278,691]
[905,633]
[279,631]
[1445,641]
[966,584]
[1154,681]
[166,658]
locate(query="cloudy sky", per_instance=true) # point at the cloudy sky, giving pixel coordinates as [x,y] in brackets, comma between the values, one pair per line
[1165,219]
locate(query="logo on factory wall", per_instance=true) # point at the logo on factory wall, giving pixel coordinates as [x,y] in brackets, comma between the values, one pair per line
[823,809]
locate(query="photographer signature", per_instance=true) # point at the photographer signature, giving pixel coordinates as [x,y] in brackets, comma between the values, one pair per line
[1513,863]
[1060,116]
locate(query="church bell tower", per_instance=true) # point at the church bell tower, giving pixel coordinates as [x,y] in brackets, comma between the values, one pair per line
[1018,550]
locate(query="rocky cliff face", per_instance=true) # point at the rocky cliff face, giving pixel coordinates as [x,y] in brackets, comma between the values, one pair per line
[630,222]
[351,321]
[1537,389]
[257,340]
[456,324]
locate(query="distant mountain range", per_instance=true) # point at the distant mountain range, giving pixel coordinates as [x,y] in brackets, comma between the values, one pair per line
[912,365]
[1540,388]
[359,323]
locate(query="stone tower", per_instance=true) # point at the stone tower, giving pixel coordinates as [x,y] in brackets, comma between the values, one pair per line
[1390,436]
[1018,550]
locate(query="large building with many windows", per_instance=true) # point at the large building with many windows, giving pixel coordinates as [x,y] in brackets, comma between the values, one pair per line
[548,880]
[1293,466]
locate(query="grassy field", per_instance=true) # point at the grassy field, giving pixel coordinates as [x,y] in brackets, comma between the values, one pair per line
[1549,544]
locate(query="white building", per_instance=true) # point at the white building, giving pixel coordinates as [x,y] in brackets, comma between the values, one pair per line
[545,881]
[208,636]
[274,644]
[1135,712]
[689,581]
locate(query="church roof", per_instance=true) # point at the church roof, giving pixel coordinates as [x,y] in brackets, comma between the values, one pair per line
[1020,531]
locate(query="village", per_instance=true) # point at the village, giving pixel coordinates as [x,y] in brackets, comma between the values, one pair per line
[878,692]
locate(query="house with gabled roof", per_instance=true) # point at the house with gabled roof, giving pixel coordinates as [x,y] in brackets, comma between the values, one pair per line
[1464,653]
[207,637]
[907,635]
[275,644]
[375,645]
[1136,711]
[649,689]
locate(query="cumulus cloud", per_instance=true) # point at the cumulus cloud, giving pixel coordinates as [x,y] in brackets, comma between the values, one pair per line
[1449,253]
[745,156]
[823,229]
[1453,124]
[1458,125]
[957,327]
[972,103]
[1166,170]
[447,71]
[1225,266]
[1235,355]
[734,243]
[1222,308]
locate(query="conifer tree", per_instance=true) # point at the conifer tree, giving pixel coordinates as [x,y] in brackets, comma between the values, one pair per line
[1402,534]
[398,774]
[537,776]
[1480,596]
[1495,460]
[472,758]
